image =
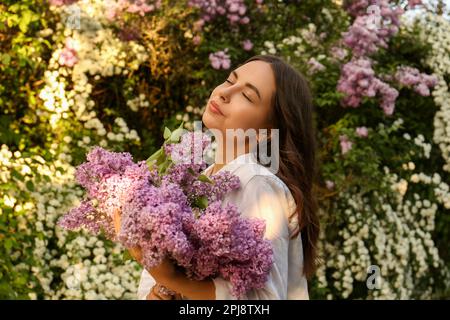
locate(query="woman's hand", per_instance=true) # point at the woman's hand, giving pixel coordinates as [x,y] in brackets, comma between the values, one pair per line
[165,270]
[135,252]
[168,276]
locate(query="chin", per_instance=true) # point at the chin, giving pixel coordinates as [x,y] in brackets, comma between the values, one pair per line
[209,121]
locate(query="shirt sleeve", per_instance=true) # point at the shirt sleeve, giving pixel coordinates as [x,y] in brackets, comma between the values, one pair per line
[146,283]
[264,197]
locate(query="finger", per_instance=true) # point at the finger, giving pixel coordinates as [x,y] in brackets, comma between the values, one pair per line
[178,296]
[160,294]
[153,296]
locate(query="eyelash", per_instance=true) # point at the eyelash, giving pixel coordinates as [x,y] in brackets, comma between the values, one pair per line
[242,92]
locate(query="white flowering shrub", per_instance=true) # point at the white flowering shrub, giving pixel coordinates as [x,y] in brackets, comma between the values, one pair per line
[435,31]
[389,226]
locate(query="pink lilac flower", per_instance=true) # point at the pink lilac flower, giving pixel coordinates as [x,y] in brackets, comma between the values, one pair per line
[141,6]
[362,132]
[414,3]
[411,77]
[196,40]
[68,56]
[315,66]
[59,3]
[338,53]
[220,59]
[236,254]
[376,21]
[346,144]
[198,25]
[358,80]
[247,45]
[384,7]
[234,10]
[190,149]
[329,184]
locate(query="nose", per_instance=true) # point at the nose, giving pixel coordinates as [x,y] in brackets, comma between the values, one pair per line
[224,97]
[226,93]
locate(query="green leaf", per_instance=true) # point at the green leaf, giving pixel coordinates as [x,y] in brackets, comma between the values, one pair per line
[126,256]
[167,133]
[155,155]
[8,244]
[6,59]
[164,166]
[176,135]
[201,202]
[16,174]
[30,185]
[25,21]
[204,178]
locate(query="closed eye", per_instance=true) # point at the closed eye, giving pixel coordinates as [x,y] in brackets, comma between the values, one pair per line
[242,92]
[246,97]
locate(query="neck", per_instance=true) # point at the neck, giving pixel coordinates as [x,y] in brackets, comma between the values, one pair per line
[227,152]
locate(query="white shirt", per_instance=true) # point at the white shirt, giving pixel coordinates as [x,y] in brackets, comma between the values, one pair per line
[262,195]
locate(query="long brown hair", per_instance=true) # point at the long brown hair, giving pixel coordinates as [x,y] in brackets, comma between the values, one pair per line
[292,115]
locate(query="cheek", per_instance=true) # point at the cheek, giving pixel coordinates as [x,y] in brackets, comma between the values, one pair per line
[245,117]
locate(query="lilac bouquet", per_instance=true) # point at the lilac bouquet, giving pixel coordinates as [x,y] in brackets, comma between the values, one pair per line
[170,209]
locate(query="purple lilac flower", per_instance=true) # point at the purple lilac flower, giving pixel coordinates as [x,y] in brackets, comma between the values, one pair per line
[234,10]
[247,45]
[198,25]
[346,144]
[411,77]
[84,216]
[358,80]
[315,66]
[414,3]
[362,132]
[240,254]
[59,3]
[196,40]
[220,59]
[116,9]
[223,183]
[68,56]
[141,6]
[190,149]
[386,9]
[338,53]
[376,21]
[158,216]
[329,184]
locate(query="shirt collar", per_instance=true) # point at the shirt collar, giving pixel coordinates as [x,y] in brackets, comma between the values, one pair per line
[236,163]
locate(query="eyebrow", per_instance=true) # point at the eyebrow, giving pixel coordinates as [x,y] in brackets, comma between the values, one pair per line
[248,85]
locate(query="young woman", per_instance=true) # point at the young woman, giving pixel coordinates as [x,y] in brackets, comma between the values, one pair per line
[263,93]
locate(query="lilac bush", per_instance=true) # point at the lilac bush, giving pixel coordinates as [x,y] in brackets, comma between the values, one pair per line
[358,80]
[412,77]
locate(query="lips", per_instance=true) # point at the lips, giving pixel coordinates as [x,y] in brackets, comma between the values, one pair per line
[215,107]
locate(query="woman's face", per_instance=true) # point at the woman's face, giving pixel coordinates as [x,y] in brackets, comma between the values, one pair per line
[244,99]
